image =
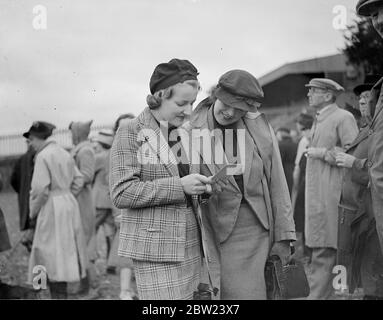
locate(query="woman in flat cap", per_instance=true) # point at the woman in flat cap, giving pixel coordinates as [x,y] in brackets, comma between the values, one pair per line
[158,192]
[250,215]
[59,244]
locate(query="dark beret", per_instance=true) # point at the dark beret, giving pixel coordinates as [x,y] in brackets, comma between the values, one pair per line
[239,89]
[40,129]
[170,73]
[364,7]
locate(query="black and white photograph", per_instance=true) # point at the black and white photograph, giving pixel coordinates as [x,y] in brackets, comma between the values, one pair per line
[162,150]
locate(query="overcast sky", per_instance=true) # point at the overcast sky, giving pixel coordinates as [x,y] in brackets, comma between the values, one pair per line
[95,58]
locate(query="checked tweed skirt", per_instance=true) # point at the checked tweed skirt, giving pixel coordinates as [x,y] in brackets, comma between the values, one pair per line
[172,280]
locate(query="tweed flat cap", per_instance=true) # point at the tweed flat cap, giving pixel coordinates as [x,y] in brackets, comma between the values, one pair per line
[364,7]
[168,74]
[325,84]
[239,89]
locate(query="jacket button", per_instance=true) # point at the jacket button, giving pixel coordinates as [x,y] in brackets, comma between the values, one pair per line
[369,164]
[370,132]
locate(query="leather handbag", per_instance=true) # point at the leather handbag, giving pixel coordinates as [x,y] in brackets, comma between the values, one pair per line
[285,282]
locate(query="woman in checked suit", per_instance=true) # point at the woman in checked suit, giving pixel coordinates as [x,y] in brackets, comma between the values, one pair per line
[159,229]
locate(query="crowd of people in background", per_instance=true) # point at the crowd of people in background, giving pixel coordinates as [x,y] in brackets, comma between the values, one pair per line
[63,200]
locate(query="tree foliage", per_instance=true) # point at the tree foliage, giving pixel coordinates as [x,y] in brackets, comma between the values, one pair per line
[364,46]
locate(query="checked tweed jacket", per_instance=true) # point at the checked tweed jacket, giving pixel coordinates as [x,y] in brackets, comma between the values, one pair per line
[144,180]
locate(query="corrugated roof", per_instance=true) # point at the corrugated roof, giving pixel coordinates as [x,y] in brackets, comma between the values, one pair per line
[333,63]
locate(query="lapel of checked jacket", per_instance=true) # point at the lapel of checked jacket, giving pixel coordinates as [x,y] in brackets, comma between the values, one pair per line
[159,144]
[152,135]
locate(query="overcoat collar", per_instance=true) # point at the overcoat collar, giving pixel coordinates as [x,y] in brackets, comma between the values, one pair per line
[47,142]
[326,113]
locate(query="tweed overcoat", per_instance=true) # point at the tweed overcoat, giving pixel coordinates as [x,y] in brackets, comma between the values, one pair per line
[144,180]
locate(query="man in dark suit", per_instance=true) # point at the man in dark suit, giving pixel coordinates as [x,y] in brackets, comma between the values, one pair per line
[21,183]
[374,10]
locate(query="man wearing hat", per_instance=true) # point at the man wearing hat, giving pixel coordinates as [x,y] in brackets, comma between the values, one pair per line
[333,130]
[251,216]
[374,10]
[358,242]
[104,217]
[58,243]
[21,182]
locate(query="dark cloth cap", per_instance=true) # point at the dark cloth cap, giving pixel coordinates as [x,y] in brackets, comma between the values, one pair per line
[364,7]
[170,73]
[369,82]
[40,129]
[239,89]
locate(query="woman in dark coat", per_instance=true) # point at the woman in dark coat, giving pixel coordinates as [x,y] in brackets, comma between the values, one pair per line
[304,124]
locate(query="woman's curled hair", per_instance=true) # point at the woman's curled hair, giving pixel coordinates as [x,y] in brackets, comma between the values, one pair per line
[154,101]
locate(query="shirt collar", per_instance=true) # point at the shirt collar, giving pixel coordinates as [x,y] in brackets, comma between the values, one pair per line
[318,113]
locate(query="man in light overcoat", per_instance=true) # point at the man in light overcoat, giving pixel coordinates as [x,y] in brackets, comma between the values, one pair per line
[333,130]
